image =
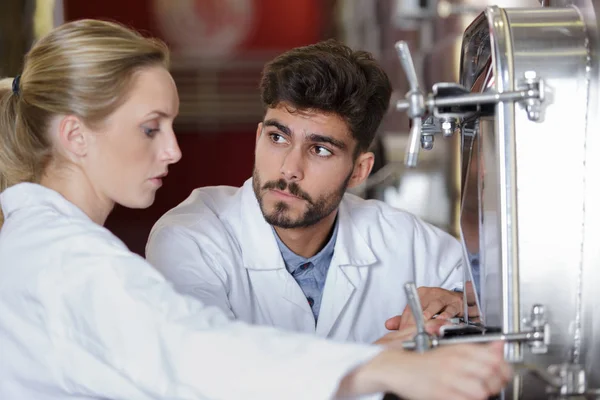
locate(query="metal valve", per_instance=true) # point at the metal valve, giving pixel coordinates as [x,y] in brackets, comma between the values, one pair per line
[537,338]
[449,104]
[564,380]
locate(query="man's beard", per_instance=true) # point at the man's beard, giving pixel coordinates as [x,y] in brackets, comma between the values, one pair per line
[316,210]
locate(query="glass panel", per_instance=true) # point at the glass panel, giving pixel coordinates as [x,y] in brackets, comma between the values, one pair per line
[469,222]
[471,200]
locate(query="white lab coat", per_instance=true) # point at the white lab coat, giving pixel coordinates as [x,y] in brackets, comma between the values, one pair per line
[81,317]
[217,247]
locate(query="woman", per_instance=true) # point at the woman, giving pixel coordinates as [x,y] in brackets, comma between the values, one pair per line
[89,124]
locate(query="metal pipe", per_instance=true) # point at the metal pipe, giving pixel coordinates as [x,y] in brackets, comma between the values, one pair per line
[503,337]
[473,99]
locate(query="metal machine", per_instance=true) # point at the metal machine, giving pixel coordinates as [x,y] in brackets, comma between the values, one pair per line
[527,111]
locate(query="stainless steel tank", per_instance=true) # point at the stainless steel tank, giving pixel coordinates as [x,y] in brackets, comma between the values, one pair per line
[526,109]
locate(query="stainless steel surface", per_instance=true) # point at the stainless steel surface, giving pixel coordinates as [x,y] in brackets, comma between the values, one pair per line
[587,332]
[535,166]
[552,42]
[506,177]
[536,232]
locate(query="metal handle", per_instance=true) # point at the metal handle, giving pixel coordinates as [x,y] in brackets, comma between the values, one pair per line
[415,305]
[422,341]
[408,65]
[416,104]
[414,142]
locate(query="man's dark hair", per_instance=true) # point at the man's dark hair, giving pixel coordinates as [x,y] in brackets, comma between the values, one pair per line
[330,77]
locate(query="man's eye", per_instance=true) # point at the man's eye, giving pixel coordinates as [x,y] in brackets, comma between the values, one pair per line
[322,151]
[277,138]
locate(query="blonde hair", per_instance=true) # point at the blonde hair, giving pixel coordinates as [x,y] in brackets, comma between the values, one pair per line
[81,68]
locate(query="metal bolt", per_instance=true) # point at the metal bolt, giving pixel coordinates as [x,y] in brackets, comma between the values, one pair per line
[533,106]
[537,312]
[427,142]
[538,324]
[533,112]
[448,127]
[572,376]
[530,75]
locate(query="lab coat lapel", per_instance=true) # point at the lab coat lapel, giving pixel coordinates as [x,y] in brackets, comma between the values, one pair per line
[346,273]
[261,255]
[257,242]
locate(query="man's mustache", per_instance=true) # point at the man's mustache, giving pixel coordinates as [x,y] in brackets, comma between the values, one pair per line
[292,187]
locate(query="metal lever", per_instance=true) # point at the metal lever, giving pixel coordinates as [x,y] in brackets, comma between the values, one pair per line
[422,340]
[408,65]
[416,104]
[494,337]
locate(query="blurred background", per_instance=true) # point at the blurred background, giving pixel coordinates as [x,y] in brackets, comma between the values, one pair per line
[218,50]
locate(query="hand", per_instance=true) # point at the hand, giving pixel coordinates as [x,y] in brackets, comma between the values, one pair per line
[453,372]
[465,372]
[396,338]
[434,301]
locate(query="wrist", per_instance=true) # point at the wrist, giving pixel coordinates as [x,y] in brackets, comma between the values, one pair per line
[380,374]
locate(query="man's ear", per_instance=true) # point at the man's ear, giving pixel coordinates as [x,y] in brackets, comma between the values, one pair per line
[72,137]
[362,169]
[258,131]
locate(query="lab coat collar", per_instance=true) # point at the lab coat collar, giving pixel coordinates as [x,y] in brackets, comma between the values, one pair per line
[26,195]
[259,246]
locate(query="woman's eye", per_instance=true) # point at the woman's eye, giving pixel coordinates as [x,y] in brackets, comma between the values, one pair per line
[150,132]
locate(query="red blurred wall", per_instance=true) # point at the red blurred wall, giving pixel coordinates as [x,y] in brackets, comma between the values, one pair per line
[209,158]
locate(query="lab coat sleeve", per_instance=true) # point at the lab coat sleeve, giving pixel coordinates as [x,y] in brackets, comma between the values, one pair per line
[194,269]
[121,315]
[441,258]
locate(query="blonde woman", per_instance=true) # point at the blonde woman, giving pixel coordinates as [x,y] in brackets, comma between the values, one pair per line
[88,124]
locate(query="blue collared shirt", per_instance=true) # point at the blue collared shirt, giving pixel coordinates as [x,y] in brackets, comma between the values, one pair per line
[310,273]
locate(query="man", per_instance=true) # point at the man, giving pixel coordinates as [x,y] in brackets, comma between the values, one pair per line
[290,248]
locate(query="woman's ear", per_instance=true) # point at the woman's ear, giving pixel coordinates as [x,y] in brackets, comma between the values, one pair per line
[73,137]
